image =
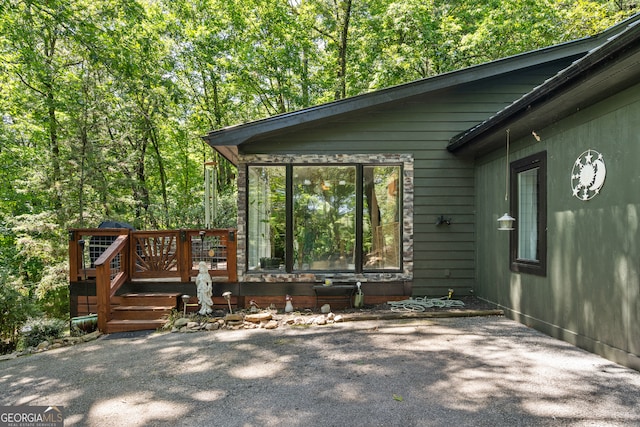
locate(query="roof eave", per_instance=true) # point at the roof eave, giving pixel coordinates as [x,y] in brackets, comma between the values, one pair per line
[238,134]
[482,137]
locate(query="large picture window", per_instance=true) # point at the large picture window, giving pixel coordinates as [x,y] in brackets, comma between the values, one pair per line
[324,218]
[528,247]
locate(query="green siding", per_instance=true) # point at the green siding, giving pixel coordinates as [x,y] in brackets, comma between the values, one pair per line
[591,294]
[444,256]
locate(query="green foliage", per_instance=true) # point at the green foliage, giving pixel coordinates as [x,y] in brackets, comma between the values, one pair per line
[15,309]
[104,102]
[38,330]
[227,212]
[52,291]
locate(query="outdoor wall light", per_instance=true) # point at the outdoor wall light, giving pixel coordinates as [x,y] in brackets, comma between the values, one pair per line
[505,222]
[441,220]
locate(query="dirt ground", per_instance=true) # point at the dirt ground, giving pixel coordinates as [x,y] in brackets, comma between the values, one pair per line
[422,372]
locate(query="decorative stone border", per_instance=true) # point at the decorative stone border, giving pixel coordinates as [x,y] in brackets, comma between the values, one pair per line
[266,319]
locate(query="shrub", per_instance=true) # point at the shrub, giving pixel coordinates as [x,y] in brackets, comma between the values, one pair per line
[52,292]
[36,331]
[15,309]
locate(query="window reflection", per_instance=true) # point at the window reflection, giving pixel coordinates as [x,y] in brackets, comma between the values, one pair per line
[382,240]
[266,217]
[324,203]
[323,218]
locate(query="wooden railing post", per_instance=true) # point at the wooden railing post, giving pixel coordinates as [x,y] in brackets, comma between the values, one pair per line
[74,256]
[103,297]
[232,255]
[184,256]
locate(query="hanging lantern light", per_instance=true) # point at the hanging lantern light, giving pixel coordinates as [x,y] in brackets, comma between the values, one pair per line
[505,222]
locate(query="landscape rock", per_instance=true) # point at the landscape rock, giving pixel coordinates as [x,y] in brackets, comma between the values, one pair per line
[9,356]
[233,319]
[91,336]
[258,317]
[212,326]
[72,340]
[272,324]
[179,323]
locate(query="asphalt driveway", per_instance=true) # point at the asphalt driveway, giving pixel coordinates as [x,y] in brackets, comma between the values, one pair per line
[479,371]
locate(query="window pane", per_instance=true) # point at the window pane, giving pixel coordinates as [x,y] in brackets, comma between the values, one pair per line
[266,217]
[381,228]
[324,201]
[528,212]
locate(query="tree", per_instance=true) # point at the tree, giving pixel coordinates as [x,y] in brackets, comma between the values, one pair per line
[104,101]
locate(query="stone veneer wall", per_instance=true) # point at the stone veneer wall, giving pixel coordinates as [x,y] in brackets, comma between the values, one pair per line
[407,221]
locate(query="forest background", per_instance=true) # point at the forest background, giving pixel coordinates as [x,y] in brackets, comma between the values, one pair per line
[103,102]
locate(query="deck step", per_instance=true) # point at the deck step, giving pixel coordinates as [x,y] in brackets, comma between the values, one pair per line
[147,299]
[133,325]
[141,312]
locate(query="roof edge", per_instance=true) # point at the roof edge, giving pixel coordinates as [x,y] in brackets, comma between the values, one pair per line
[237,134]
[552,86]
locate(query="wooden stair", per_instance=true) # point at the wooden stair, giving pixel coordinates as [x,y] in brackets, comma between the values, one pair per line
[142,311]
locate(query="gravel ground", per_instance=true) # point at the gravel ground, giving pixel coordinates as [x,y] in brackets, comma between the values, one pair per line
[467,371]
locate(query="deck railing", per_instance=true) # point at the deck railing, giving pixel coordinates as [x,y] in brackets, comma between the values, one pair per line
[155,254]
[114,256]
[110,275]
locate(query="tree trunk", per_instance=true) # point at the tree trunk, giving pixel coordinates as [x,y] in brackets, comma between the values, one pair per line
[341,90]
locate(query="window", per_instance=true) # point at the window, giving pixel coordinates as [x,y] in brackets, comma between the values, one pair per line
[267,217]
[528,247]
[324,218]
[381,217]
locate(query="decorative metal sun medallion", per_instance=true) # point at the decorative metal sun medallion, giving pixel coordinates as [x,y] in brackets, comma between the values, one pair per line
[588,175]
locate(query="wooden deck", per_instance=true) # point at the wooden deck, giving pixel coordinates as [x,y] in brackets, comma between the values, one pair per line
[104,262]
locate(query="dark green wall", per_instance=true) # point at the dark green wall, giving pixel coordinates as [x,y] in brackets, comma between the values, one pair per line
[591,294]
[444,257]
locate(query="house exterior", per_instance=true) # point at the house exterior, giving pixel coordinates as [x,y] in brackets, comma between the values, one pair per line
[401,189]
[578,132]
